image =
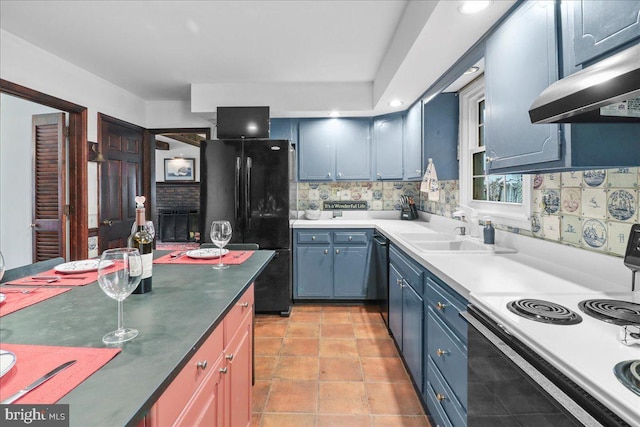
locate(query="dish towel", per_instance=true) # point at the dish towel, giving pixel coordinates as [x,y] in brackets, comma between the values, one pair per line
[430,183]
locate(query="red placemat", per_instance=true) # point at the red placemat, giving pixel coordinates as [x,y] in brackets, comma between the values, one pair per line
[75,279]
[33,361]
[231,258]
[16,300]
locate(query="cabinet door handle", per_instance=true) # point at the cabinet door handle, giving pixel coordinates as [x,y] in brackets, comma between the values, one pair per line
[441,352]
[328,174]
[244,304]
[337,251]
[229,356]
[326,251]
[379,175]
[201,365]
[440,306]
[350,238]
[418,171]
[440,397]
[313,237]
[223,370]
[339,174]
[399,282]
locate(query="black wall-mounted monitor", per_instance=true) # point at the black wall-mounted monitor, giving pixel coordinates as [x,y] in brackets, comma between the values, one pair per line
[242,122]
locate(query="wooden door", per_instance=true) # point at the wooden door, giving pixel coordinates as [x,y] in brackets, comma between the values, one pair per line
[48,219]
[121,178]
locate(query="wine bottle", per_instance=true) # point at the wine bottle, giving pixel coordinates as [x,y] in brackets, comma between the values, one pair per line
[143,241]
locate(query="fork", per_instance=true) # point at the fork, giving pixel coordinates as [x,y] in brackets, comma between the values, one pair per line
[20,291]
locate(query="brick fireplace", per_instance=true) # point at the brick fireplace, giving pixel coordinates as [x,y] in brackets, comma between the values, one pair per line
[177,211]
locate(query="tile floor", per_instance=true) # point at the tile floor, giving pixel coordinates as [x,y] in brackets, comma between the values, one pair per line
[330,366]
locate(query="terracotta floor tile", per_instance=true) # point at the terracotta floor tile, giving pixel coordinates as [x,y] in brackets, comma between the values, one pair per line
[337,330]
[364,309]
[392,398]
[366,317]
[259,394]
[292,396]
[340,369]
[303,330]
[377,348]
[270,329]
[271,318]
[338,347]
[370,330]
[336,317]
[300,347]
[336,308]
[267,346]
[303,368]
[343,398]
[306,317]
[288,420]
[326,420]
[256,418]
[265,367]
[400,421]
[306,307]
[383,369]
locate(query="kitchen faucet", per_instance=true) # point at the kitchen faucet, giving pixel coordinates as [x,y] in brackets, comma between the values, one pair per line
[463,212]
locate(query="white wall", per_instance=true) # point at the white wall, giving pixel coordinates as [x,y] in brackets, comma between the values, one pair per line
[16,172]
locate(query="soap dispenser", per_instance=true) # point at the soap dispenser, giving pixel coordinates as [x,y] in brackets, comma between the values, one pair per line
[489,233]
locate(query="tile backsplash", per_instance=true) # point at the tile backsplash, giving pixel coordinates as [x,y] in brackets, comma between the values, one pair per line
[591,209]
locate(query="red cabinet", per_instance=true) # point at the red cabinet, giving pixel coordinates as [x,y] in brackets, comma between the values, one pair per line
[214,388]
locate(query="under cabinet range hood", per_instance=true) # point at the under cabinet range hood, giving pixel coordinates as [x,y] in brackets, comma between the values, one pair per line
[608,91]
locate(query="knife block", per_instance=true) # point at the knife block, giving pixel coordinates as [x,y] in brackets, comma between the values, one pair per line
[409,213]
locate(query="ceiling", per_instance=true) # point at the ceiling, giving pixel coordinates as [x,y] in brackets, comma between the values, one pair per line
[302,58]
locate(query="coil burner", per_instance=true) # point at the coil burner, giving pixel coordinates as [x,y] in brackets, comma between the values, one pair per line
[612,311]
[628,373]
[544,311]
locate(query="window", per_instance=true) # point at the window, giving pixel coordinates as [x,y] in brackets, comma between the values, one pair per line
[503,198]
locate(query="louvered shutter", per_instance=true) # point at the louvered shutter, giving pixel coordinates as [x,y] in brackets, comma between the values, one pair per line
[48,186]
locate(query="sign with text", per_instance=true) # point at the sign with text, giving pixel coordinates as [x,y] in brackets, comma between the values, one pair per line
[35,415]
[347,205]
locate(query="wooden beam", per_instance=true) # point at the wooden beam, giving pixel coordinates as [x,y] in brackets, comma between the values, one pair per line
[162,145]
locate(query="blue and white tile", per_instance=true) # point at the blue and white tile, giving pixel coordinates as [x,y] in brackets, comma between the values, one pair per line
[622,178]
[622,205]
[571,198]
[571,179]
[595,178]
[594,234]
[537,205]
[551,201]
[536,225]
[571,229]
[618,237]
[551,227]
[594,203]
[538,181]
[377,205]
[552,181]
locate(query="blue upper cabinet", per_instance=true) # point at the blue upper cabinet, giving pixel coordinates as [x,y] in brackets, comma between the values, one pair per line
[284,129]
[317,150]
[601,26]
[520,62]
[334,149]
[412,143]
[353,149]
[441,116]
[387,131]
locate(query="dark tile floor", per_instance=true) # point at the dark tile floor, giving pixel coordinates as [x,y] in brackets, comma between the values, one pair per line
[330,366]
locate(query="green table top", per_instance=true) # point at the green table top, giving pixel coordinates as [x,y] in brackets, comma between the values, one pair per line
[185,306]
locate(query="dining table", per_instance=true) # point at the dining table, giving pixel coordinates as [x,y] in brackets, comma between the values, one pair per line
[186,304]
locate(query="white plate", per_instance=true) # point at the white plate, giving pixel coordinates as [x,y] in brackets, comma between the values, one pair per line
[7,360]
[83,266]
[207,253]
[2,298]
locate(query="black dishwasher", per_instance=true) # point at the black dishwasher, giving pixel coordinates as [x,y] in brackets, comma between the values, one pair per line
[381,273]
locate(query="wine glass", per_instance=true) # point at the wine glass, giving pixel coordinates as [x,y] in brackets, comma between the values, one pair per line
[220,236]
[119,272]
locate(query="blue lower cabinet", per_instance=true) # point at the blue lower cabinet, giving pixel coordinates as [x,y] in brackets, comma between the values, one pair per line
[441,398]
[395,304]
[412,330]
[314,272]
[332,264]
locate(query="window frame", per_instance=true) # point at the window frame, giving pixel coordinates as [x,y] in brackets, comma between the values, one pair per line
[516,215]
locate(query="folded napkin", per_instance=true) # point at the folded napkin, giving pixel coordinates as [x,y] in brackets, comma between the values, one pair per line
[66,279]
[430,184]
[33,361]
[16,300]
[231,258]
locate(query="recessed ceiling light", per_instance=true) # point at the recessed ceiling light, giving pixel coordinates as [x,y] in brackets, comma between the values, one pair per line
[395,103]
[334,114]
[471,7]
[472,70]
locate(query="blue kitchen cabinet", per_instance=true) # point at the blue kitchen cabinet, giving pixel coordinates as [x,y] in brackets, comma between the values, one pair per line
[353,149]
[412,143]
[282,128]
[316,150]
[387,132]
[601,27]
[332,264]
[334,149]
[520,62]
[406,312]
[441,116]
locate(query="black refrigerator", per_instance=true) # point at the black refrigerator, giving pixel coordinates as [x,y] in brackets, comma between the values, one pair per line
[247,182]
